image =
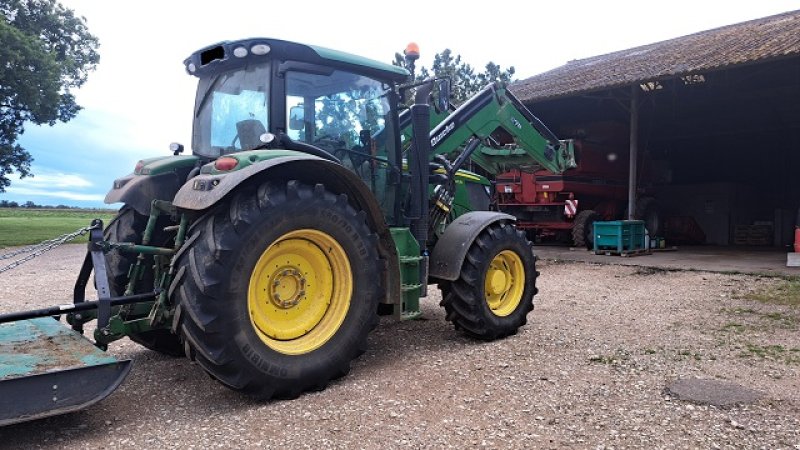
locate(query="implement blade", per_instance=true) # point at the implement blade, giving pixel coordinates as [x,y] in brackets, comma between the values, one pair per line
[47,369]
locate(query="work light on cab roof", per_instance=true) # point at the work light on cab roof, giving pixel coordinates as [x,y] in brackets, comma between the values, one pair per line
[257,49]
[218,52]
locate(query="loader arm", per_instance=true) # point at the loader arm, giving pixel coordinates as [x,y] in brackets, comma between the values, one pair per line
[511,135]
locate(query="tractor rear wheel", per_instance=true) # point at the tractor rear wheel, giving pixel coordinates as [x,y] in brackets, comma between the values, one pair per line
[494,293]
[278,289]
[128,226]
[583,228]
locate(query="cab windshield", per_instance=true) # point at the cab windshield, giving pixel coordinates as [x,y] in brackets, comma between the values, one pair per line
[342,112]
[350,116]
[231,111]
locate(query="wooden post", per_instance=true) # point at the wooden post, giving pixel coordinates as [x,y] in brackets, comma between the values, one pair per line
[634,146]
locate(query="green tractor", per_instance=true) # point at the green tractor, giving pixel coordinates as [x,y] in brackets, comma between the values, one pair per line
[313,202]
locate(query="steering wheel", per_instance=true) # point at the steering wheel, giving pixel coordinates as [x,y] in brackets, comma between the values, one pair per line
[356,154]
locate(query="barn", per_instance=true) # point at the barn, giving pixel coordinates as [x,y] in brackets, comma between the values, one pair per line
[717,113]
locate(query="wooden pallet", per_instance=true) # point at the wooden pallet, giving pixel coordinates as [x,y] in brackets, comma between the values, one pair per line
[665,249]
[614,252]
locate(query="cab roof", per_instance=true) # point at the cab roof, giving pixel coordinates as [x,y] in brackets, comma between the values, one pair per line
[230,54]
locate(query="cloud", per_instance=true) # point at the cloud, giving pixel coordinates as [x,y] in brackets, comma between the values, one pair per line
[75,163]
[42,192]
[50,180]
[94,135]
[53,184]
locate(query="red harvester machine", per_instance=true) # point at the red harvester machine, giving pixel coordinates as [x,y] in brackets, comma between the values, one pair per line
[564,207]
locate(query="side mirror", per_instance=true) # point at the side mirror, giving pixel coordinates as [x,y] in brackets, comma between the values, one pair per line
[296,118]
[443,102]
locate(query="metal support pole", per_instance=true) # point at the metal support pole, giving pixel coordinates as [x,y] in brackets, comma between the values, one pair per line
[634,147]
[78,307]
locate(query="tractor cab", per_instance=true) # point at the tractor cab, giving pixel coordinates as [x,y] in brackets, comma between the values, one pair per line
[271,94]
[254,90]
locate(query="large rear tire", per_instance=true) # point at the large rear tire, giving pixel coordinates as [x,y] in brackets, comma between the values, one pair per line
[278,289]
[128,226]
[494,293]
[583,228]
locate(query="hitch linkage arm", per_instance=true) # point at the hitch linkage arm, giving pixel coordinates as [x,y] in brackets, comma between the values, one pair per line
[94,259]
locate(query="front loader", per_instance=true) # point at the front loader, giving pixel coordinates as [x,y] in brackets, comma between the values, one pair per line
[302,214]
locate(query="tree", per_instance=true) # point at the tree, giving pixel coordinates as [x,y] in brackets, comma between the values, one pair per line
[495,73]
[464,81]
[46,52]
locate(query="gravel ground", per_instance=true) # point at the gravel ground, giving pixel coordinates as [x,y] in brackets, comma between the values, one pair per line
[588,371]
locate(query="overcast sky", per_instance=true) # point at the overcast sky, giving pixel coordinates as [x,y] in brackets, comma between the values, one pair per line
[140,98]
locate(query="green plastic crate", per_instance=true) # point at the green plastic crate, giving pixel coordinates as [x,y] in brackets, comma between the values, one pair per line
[619,236]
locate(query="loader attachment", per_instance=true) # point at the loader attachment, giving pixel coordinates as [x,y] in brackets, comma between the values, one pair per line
[47,369]
[512,136]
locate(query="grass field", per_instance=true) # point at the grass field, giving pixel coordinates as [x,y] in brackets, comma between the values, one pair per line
[23,226]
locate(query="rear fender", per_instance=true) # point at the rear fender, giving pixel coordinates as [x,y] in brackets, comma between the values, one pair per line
[207,190]
[451,249]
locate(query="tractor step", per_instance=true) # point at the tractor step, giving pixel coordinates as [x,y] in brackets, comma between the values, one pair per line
[48,369]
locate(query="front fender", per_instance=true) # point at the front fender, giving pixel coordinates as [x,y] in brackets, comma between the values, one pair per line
[451,249]
[154,179]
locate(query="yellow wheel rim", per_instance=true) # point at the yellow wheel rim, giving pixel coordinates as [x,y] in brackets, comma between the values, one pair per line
[505,283]
[300,291]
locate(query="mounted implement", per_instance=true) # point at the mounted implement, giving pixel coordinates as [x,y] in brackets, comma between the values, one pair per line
[53,370]
[301,215]
[48,369]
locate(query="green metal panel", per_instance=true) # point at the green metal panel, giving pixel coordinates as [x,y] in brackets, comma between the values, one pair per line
[161,164]
[250,157]
[463,202]
[409,254]
[463,179]
[349,58]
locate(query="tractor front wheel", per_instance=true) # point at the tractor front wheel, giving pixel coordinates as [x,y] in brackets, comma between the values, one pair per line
[494,293]
[278,289]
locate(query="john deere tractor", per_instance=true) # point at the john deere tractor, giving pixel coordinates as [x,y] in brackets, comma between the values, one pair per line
[312,202]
